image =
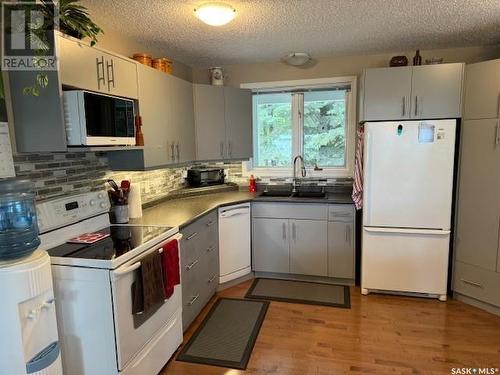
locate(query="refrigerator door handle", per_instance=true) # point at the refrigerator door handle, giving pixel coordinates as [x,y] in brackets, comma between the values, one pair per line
[408,231]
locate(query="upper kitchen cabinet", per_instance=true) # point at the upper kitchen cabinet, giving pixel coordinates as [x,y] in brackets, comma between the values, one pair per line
[182,116]
[436,91]
[91,68]
[166,109]
[238,116]
[482,90]
[387,93]
[223,118]
[412,92]
[210,122]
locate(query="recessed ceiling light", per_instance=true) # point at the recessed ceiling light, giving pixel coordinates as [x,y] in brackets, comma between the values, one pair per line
[297,58]
[215,14]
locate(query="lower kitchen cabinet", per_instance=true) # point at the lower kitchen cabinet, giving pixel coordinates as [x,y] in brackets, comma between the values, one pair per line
[271,252]
[341,250]
[199,265]
[308,247]
[304,239]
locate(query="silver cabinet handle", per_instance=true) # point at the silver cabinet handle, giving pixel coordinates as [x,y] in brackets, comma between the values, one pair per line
[348,234]
[210,223]
[172,151]
[191,236]
[404,106]
[100,63]
[497,134]
[416,105]
[178,147]
[498,106]
[189,266]
[294,232]
[212,279]
[471,283]
[284,230]
[230,150]
[210,249]
[193,300]
[111,77]
[222,149]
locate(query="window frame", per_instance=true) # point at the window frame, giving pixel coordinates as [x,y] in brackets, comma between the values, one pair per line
[297,130]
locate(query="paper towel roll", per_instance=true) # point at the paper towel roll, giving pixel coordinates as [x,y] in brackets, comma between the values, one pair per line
[134,202]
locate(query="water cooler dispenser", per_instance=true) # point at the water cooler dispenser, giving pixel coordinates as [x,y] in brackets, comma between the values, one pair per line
[29,343]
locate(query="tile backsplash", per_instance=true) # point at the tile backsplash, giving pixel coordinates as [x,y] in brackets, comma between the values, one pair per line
[59,174]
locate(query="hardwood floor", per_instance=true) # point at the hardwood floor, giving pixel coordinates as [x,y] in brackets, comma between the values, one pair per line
[378,335]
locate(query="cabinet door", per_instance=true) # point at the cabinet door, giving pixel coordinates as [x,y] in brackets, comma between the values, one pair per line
[89,68]
[479,195]
[482,90]
[238,118]
[155,111]
[121,76]
[81,66]
[183,135]
[437,91]
[341,250]
[209,122]
[386,93]
[270,245]
[308,247]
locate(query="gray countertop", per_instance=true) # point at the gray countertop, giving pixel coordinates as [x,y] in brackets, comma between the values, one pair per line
[183,211]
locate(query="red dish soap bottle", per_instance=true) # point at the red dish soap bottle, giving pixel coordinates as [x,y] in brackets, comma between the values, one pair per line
[252,184]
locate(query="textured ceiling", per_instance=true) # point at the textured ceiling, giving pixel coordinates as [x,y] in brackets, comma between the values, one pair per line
[266,30]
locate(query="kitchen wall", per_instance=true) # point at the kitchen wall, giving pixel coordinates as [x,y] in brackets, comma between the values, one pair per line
[338,66]
[59,174]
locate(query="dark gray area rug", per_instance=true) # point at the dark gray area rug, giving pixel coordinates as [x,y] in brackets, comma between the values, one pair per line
[227,335]
[295,291]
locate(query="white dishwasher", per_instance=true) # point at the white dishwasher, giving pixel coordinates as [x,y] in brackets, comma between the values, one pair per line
[234,242]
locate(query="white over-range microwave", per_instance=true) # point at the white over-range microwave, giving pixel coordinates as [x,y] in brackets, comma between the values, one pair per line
[98,120]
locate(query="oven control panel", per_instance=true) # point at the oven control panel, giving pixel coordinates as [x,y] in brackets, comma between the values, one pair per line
[68,210]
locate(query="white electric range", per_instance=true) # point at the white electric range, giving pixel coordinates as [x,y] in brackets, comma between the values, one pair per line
[92,287]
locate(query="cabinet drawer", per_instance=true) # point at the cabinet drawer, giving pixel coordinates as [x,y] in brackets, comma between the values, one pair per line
[341,212]
[477,283]
[312,211]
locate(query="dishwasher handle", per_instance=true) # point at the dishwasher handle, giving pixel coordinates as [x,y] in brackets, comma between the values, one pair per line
[234,212]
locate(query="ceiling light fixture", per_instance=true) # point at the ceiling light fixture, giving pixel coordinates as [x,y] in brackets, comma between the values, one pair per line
[215,14]
[297,58]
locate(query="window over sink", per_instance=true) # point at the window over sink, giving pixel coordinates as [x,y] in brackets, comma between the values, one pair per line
[312,118]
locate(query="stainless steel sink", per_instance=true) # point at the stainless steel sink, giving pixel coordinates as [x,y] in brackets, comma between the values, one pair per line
[277,193]
[309,194]
[290,194]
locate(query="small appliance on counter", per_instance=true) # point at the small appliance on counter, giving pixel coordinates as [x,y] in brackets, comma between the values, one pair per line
[204,176]
[18,220]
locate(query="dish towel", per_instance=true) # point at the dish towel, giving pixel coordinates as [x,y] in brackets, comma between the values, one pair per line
[148,290]
[170,265]
[357,187]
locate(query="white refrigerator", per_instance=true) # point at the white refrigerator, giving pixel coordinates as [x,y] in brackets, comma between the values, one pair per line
[408,189]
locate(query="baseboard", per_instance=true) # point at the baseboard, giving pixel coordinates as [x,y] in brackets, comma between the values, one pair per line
[476,303]
[234,282]
[319,279]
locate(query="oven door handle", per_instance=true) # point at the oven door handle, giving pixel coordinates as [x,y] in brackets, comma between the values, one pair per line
[133,267]
[124,270]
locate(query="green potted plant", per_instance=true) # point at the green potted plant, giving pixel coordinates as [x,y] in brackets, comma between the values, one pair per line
[74,19]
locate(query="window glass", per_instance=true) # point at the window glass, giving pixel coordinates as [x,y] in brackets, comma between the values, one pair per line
[272,114]
[324,131]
